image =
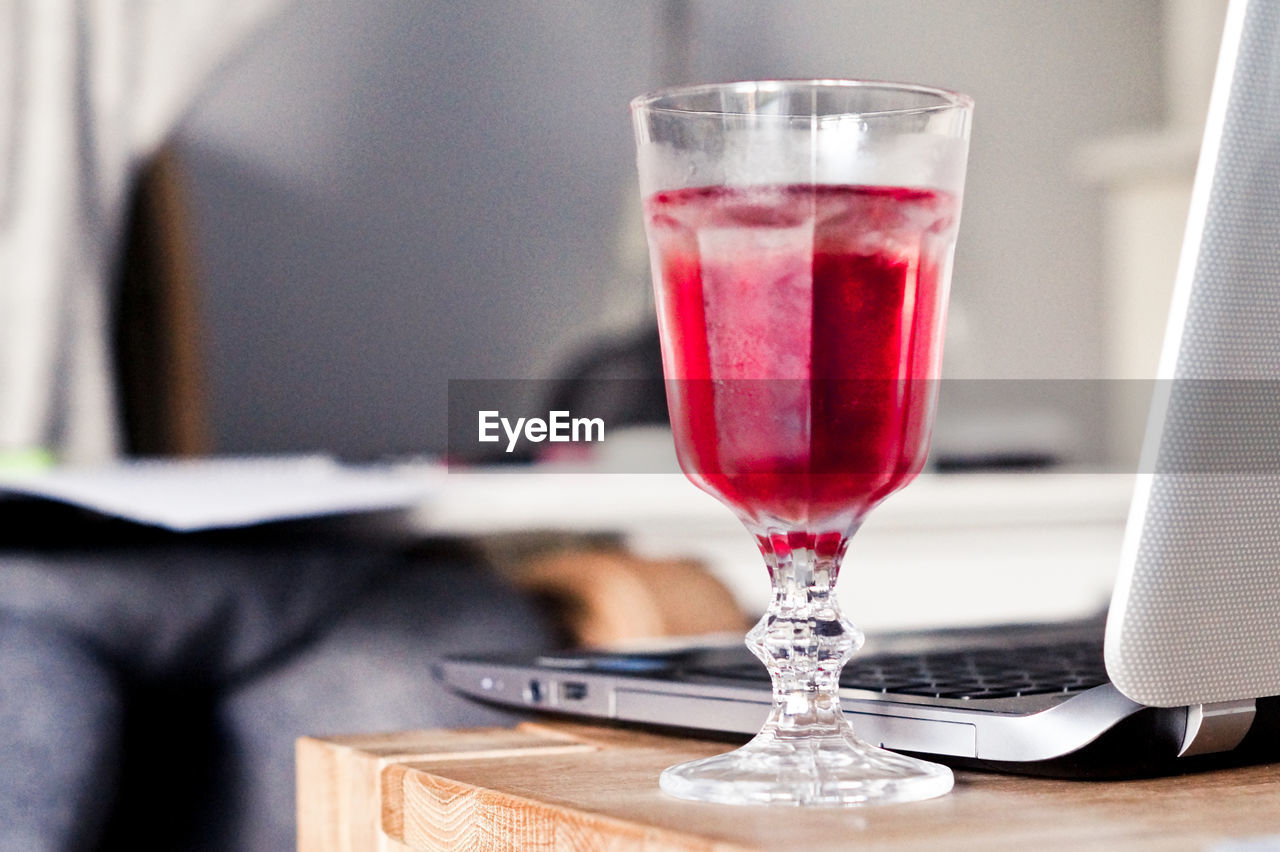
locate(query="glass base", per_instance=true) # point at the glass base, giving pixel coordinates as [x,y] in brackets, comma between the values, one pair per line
[829,770]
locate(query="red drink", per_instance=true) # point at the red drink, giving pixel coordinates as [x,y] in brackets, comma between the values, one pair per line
[801,339]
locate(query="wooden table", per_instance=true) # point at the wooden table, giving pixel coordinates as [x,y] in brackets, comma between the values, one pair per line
[574,787]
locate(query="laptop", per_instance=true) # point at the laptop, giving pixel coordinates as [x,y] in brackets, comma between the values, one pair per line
[1183,668]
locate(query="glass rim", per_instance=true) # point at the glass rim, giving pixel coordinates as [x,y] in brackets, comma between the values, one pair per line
[948,98]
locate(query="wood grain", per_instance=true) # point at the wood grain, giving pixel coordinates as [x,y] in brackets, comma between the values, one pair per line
[575,787]
[338,778]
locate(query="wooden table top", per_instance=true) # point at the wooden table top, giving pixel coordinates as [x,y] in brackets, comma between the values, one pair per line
[567,786]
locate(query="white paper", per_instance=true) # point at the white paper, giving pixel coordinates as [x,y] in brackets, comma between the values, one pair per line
[190,495]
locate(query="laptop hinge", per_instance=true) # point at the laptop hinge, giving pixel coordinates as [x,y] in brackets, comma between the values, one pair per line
[1216,727]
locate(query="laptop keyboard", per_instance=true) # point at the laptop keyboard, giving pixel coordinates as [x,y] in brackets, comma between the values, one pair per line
[972,674]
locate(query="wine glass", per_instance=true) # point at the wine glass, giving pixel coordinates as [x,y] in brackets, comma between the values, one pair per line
[801,236]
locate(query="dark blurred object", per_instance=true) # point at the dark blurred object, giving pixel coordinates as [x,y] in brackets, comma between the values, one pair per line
[981,462]
[121,646]
[158,336]
[619,379]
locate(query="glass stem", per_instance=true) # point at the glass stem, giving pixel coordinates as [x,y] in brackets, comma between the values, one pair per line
[803,639]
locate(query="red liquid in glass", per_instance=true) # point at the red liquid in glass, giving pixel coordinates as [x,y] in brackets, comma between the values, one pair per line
[801,336]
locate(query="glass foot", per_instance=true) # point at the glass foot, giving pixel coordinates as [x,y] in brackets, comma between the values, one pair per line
[812,771]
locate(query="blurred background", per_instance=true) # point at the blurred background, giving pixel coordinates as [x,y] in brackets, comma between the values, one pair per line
[390,195]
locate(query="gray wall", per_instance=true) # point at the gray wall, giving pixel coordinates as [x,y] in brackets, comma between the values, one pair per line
[391,194]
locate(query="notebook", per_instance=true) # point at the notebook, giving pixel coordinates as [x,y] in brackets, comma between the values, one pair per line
[1184,667]
[187,495]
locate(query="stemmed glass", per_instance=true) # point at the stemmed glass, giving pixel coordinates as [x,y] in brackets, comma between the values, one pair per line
[801,235]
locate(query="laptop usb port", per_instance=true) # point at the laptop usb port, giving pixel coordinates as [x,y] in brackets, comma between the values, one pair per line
[533,692]
[573,690]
